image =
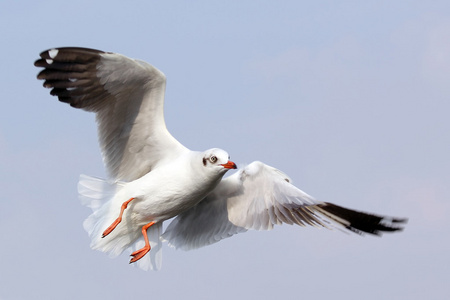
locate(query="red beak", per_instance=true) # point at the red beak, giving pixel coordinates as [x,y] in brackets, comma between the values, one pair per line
[229,165]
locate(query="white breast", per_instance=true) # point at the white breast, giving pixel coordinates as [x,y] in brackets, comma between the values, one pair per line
[166,192]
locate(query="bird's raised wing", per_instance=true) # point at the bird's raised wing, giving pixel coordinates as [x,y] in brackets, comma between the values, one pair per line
[259,197]
[127,96]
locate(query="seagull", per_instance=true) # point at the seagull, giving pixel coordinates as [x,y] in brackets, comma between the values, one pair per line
[152,177]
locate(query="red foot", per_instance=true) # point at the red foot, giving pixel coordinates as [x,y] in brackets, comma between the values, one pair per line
[118,220]
[138,254]
[111,227]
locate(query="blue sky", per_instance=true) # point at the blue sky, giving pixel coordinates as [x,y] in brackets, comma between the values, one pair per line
[349,98]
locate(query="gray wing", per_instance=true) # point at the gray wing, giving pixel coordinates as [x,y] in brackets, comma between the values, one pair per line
[127,96]
[259,197]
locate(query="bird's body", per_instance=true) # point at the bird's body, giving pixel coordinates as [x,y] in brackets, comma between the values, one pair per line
[161,194]
[152,177]
[169,189]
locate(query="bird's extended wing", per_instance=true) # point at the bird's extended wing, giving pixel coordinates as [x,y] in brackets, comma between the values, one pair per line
[127,96]
[259,197]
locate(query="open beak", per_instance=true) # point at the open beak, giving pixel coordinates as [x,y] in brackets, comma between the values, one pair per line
[229,165]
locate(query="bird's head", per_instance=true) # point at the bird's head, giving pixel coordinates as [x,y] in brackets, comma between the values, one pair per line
[217,159]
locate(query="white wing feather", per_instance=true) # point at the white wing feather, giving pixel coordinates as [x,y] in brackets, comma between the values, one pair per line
[259,197]
[133,135]
[127,96]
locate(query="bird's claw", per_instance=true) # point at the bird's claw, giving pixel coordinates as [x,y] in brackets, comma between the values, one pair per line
[138,254]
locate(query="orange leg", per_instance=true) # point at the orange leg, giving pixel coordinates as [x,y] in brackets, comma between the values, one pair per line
[118,220]
[137,255]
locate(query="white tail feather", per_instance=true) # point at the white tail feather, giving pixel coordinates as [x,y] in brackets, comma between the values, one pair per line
[100,195]
[94,192]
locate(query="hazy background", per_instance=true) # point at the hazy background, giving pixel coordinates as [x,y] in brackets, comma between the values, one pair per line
[349,98]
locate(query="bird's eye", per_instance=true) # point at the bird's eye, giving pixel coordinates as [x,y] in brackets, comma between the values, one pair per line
[213,159]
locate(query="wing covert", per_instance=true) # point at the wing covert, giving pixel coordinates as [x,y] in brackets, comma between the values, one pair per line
[256,197]
[127,96]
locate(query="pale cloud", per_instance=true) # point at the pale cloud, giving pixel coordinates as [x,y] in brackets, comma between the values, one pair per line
[436,60]
[335,62]
[423,45]
[423,198]
[428,200]
[292,62]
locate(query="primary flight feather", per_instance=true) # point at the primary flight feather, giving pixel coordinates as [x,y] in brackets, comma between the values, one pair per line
[152,177]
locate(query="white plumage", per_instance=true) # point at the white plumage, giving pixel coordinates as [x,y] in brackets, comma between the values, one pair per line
[152,177]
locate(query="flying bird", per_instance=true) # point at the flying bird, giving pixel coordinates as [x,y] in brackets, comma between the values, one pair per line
[152,177]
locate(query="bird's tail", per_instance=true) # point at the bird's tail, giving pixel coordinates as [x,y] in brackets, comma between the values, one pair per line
[100,195]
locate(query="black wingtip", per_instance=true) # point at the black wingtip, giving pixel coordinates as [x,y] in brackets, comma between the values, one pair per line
[360,222]
[71,73]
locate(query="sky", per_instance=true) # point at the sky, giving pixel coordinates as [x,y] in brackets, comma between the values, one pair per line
[349,98]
